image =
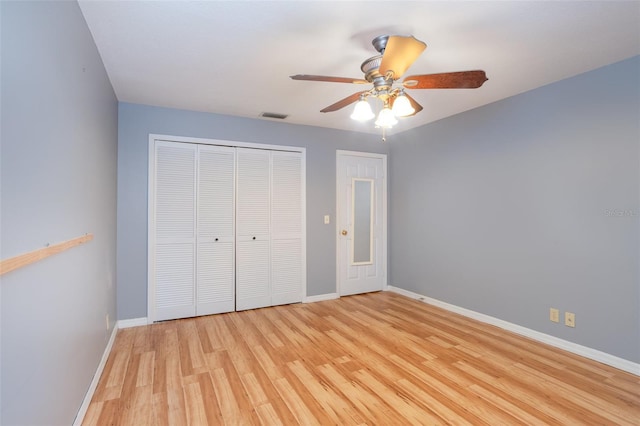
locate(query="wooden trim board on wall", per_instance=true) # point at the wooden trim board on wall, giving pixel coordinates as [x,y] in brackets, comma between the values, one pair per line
[25,259]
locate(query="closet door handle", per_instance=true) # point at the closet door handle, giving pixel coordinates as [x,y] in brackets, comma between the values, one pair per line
[254,238]
[216,239]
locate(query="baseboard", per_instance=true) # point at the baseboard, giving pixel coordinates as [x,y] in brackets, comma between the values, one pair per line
[133,322]
[594,354]
[96,378]
[320,298]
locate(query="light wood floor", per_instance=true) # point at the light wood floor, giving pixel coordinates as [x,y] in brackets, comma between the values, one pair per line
[377,359]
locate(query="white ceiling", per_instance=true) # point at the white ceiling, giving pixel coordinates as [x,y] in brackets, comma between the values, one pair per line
[235,57]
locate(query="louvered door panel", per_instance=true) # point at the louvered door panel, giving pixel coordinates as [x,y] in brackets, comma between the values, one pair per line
[252,274]
[174,251]
[216,191]
[286,235]
[253,289]
[216,272]
[175,190]
[174,281]
[216,251]
[286,204]
[252,202]
[286,271]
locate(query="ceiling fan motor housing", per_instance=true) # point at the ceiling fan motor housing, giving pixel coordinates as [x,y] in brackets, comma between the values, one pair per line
[370,68]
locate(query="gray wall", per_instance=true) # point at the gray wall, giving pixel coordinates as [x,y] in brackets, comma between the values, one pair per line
[526,204]
[136,122]
[58,181]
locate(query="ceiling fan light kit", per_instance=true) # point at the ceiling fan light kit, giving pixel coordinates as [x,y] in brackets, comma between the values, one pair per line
[362,111]
[401,106]
[386,118]
[396,54]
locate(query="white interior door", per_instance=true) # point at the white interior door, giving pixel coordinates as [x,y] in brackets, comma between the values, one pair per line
[361,222]
[215,268]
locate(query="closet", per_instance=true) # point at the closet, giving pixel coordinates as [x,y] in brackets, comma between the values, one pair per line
[226,228]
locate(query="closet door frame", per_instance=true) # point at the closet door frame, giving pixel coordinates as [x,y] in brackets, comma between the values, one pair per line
[151,185]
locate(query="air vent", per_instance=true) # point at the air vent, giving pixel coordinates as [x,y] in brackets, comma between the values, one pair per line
[274,115]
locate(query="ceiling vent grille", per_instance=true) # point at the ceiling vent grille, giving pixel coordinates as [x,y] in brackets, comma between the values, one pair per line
[274,115]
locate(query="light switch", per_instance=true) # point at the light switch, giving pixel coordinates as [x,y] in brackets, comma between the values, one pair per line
[327,219]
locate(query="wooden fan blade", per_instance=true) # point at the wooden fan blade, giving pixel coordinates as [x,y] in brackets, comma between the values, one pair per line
[399,54]
[343,103]
[414,104]
[447,80]
[308,77]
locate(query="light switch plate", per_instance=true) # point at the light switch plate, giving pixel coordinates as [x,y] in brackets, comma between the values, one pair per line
[327,219]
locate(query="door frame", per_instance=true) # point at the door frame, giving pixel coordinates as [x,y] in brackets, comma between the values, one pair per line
[151,225]
[383,157]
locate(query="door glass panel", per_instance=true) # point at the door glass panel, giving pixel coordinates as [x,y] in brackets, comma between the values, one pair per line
[362,211]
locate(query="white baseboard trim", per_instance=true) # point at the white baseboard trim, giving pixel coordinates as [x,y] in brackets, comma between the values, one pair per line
[133,322]
[96,378]
[320,298]
[594,354]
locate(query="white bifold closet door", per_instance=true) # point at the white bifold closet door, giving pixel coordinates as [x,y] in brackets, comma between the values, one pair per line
[253,289]
[215,258]
[269,252]
[194,254]
[287,260]
[228,229]
[175,224]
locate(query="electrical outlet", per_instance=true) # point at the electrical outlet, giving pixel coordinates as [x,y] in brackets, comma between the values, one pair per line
[569,319]
[107,321]
[554,315]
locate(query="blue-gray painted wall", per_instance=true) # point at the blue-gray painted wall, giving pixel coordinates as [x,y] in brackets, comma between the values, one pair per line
[136,122]
[58,181]
[526,204]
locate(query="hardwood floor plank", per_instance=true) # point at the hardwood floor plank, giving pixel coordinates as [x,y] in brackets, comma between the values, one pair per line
[555,407]
[140,411]
[300,410]
[145,369]
[92,415]
[226,400]
[177,411]
[268,415]
[405,409]
[375,359]
[596,404]
[504,405]
[119,369]
[194,404]
[431,378]
[366,403]
[109,413]
[446,414]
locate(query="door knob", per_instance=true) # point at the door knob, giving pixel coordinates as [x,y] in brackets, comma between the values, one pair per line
[344,232]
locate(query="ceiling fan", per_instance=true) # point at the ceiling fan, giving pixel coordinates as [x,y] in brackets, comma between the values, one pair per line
[396,54]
